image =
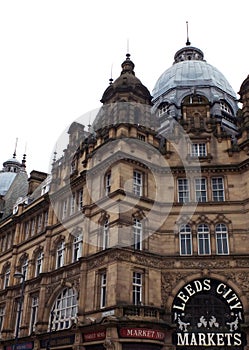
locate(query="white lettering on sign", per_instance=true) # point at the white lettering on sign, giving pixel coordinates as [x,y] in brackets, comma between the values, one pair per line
[231,299]
[198,286]
[209,339]
[142,333]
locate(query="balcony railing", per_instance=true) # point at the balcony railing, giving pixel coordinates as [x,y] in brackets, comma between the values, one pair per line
[143,311]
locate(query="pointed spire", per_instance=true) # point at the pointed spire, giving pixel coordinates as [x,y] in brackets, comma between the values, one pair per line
[188,43]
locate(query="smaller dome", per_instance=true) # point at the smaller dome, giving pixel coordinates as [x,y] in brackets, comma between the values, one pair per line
[6,179]
[12,165]
[126,100]
[127,82]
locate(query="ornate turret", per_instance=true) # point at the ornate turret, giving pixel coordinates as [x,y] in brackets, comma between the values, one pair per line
[244,99]
[127,87]
[126,100]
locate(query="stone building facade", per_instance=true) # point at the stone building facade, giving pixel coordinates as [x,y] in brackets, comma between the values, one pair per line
[139,237]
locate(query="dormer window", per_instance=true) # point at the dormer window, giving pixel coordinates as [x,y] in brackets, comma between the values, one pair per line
[163,109]
[194,99]
[198,150]
[225,108]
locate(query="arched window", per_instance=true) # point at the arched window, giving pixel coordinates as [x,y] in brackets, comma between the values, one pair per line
[221,234]
[185,240]
[194,99]
[60,254]
[203,240]
[64,310]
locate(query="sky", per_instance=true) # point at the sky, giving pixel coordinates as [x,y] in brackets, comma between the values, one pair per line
[57,57]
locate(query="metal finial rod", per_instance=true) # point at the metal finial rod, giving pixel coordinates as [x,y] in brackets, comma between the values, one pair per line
[128,46]
[187,42]
[14,154]
[111,79]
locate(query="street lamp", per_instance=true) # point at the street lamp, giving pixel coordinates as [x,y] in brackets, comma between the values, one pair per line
[21,276]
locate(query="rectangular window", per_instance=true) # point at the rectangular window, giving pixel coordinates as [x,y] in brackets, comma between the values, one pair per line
[33,226]
[198,150]
[218,189]
[137,183]
[6,278]
[105,238]
[77,247]
[137,288]
[203,244]
[107,183]
[39,262]
[200,190]
[60,255]
[203,237]
[25,267]
[185,244]
[72,204]
[2,313]
[39,222]
[183,190]
[221,234]
[45,218]
[80,200]
[9,239]
[19,313]
[103,289]
[222,243]
[33,318]
[137,234]
[26,229]
[64,209]
[185,240]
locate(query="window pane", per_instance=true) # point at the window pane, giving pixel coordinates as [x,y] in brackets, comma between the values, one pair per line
[137,183]
[137,234]
[200,190]
[198,150]
[137,288]
[185,240]
[222,239]
[183,190]
[64,310]
[203,240]
[218,189]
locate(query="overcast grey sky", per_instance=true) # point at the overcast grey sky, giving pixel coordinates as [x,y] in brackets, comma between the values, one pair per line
[56,58]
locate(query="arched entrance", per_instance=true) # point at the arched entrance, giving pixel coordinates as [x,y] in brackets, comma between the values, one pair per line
[208,313]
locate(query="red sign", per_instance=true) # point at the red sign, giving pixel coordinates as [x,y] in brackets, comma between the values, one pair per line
[142,333]
[23,346]
[94,336]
